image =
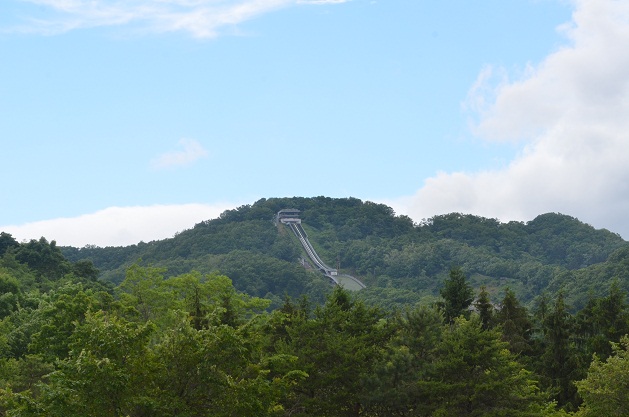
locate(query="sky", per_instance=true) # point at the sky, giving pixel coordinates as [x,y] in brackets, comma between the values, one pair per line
[130,120]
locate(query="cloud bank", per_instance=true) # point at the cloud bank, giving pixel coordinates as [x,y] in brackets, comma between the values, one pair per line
[119,226]
[571,113]
[199,18]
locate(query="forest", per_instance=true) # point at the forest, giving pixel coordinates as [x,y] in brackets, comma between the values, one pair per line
[462,316]
[402,263]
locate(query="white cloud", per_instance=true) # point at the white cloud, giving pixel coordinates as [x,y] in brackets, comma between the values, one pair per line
[191,151]
[119,226]
[199,18]
[571,113]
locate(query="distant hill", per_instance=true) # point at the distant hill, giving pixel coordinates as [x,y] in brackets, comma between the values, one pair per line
[400,262]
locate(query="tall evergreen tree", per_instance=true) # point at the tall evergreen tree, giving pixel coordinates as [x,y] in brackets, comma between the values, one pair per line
[475,375]
[410,356]
[484,307]
[457,295]
[559,364]
[338,348]
[515,323]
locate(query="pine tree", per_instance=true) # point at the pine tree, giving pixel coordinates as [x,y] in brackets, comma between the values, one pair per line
[475,375]
[484,307]
[393,388]
[338,348]
[457,295]
[559,364]
[515,323]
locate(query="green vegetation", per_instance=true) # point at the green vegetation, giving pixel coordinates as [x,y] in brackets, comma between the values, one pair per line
[604,391]
[398,260]
[222,320]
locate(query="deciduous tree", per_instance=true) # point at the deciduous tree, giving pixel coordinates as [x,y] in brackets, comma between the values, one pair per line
[605,389]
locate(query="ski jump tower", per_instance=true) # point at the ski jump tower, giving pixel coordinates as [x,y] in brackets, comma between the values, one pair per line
[290,217]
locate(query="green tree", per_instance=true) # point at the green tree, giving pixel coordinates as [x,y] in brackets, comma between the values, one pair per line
[515,324]
[151,297]
[559,363]
[57,317]
[475,375]
[112,365]
[143,290]
[43,257]
[85,269]
[603,320]
[409,358]
[10,293]
[337,348]
[103,374]
[21,376]
[6,242]
[457,295]
[604,390]
[484,308]
[220,371]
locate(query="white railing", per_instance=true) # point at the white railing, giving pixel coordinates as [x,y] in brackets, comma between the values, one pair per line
[312,254]
[295,226]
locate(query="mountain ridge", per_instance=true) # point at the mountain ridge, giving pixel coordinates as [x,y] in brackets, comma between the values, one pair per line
[395,257]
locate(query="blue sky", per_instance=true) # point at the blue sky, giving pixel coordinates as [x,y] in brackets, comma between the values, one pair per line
[123,121]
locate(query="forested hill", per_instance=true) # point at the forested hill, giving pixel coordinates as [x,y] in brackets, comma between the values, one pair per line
[399,261]
[174,336]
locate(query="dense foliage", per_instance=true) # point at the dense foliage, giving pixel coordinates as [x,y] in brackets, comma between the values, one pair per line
[193,345]
[462,316]
[402,263]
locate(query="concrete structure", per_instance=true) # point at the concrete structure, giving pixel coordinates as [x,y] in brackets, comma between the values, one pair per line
[290,217]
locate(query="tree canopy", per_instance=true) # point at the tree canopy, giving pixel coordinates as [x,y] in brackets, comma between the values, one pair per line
[386,251]
[224,319]
[192,344]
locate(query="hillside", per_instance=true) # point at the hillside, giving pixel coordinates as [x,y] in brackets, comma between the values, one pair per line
[163,326]
[400,262]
